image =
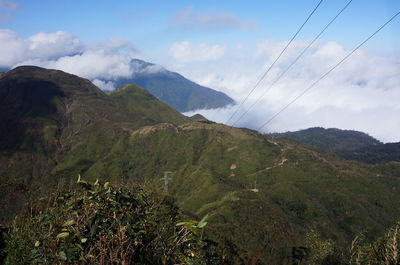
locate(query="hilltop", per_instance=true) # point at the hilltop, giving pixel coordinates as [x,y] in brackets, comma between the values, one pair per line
[129,95]
[348,144]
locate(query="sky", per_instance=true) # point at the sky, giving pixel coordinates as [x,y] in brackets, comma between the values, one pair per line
[227,46]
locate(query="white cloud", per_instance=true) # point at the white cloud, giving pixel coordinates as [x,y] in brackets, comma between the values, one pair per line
[63,51]
[185,52]
[362,94]
[104,85]
[13,49]
[41,46]
[53,45]
[210,20]
[92,65]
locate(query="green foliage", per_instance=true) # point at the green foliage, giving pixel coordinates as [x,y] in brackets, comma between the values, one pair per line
[100,224]
[351,145]
[383,251]
[320,249]
[140,103]
[374,154]
[333,140]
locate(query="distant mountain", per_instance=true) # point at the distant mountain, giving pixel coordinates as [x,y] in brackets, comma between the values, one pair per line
[352,145]
[374,154]
[174,89]
[332,139]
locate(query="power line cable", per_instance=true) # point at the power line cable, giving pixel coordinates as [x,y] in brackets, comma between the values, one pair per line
[272,65]
[294,61]
[327,73]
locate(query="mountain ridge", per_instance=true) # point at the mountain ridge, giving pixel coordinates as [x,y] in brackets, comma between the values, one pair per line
[86,132]
[348,144]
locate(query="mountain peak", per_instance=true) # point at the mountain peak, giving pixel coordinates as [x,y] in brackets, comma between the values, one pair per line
[173,88]
[62,81]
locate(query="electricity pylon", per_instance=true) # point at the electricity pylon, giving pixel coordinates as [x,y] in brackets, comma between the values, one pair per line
[166,179]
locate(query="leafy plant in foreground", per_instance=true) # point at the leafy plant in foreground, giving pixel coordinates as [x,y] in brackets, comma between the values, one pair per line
[384,251]
[101,224]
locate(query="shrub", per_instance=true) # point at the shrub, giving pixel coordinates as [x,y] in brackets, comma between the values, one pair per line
[101,224]
[385,250]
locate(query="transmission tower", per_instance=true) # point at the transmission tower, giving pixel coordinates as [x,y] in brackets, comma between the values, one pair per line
[166,179]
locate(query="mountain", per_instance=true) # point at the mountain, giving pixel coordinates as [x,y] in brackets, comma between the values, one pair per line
[54,121]
[174,89]
[332,139]
[128,96]
[374,154]
[348,144]
[200,118]
[263,197]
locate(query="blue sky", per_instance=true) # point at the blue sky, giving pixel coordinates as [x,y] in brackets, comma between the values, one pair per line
[150,25]
[227,46]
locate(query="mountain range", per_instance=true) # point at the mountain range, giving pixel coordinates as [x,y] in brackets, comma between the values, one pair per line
[262,196]
[170,87]
[348,144]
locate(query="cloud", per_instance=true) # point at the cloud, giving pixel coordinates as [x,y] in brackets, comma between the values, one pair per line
[185,52]
[90,64]
[7,7]
[104,85]
[61,50]
[53,45]
[42,46]
[211,20]
[361,94]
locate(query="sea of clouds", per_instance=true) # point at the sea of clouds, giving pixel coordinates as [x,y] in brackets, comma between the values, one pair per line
[362,94]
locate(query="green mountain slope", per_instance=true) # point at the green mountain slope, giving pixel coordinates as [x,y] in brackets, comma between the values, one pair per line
[51,120]
[374,154]
[333,140]
[128,96]
[352,145]
[215,168]
[262,196]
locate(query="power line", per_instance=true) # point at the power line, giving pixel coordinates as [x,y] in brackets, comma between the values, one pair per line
[327,73]
[272,65]
[294,61]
